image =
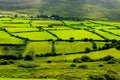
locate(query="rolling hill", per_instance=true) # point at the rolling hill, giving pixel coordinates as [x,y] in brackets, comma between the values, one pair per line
[68,8]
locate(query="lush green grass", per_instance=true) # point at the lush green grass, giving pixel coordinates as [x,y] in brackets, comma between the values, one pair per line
[12,30]
[38,47]
[72,47]
[36,35]
[23,79]
[77,34]
[9,25]
[115,31]
[107,35]
[20,21]
[71,22]
[5,19]
[93,55]
[45,23]
[7,39]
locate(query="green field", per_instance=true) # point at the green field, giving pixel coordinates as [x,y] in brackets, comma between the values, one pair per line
[7,39]
[36,35]
[45,49]
[76,34]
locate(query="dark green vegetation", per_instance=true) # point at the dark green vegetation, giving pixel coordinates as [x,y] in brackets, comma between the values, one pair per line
[49,47]
[95,9]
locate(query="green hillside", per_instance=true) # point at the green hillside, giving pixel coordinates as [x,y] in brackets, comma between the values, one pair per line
[67,8]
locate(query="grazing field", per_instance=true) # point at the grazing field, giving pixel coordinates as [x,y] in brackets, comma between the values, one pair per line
[45,23]
[5,38]
[36,35]
[20,21]
[108,35]
[115,31]
[72,47]
[76,34]
[49,49]
[38,47]
[10,25]
[18,30]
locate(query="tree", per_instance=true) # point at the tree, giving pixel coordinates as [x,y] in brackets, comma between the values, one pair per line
[71,39]
[87,50]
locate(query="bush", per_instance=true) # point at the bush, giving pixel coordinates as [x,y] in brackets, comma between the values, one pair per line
[49,61]
[86,59]
[73,65]
[27,64]
[100,65]
[112,61]
[96,77]
[87,50]
[28,57]
[107,58]
[83,66]
[4,62]
[112,72]
[77,60]
[110,77]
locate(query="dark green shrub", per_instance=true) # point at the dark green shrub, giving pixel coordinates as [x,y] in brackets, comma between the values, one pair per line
[112,72]
[107,58]
[83,66]
[28,57]
[112,61]
[96,77]
[71,39]
[27,64]
[100,65]
[49,61]
[77,60]
[73,65]
[4,62]
[86,59]
[87,50]
[110,77]
[11,61]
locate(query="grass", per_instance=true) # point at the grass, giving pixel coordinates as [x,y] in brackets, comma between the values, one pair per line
[93,55]
[7,39]
[14,30]
[23,79]
[36,35]
[38,47]
[20,21]
[59,68]
[77,34]
[72,47]
[115,31]
[107,35]
[45,23]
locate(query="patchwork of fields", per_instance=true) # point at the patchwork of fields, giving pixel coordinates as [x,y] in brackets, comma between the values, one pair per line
[43,31]
[58,40]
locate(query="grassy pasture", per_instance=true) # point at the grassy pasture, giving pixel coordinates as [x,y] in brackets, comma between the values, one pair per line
[36,35]
[5,19]
[107,22]
[14,30]
[72,47]
[45,23]
[108,35]
[9,25]
[77,34]
[20,21]
[93,55]
[115,31]
[71,22]
[38,47]
[7,39]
